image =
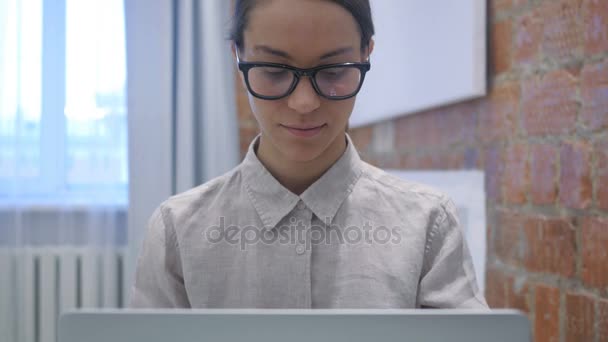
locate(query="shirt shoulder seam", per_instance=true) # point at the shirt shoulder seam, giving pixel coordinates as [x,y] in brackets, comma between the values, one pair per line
[436,194]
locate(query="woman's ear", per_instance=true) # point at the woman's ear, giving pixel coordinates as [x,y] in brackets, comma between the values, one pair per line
[233,48]
[234,55]
[370,49]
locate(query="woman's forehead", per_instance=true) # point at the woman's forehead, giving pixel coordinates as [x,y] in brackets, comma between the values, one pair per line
[301,28]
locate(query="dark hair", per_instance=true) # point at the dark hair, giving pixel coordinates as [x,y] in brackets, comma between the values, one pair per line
[360,9]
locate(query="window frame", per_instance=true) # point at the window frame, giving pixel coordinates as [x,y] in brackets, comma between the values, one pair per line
[49,187]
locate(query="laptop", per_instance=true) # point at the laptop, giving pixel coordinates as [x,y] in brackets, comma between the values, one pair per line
[293,325]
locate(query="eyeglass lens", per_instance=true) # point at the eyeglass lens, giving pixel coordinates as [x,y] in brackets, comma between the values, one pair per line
[331,82]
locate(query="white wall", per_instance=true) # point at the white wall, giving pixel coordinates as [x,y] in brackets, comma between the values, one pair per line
[427,53]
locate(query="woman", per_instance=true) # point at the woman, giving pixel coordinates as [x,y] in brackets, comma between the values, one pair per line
[303,222]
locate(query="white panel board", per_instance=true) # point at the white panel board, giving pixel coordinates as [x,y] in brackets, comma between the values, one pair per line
[427,53]
[467,190]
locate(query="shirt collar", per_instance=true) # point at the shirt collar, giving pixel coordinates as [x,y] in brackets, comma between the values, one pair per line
[273,201]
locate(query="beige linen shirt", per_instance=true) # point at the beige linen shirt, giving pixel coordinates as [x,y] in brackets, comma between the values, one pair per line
[356,238]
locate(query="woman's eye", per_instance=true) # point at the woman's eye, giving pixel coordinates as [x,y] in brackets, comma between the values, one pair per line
[275,73]
[332,73]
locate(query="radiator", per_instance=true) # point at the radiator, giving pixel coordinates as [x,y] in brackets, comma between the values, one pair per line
[38,284]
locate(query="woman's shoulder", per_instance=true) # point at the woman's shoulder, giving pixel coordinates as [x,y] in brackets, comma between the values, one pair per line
[392,185]
[218,189]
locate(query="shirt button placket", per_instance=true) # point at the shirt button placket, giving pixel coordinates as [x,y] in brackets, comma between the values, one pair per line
[305,215]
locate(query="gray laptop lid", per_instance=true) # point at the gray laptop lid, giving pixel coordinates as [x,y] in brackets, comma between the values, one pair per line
[293,325]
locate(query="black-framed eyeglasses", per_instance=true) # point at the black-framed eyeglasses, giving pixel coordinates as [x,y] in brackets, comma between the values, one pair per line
[273,81]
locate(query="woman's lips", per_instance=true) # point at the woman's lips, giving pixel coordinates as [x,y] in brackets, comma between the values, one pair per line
[304,132]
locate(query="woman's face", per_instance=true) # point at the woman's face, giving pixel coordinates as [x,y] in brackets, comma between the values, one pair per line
[304,34]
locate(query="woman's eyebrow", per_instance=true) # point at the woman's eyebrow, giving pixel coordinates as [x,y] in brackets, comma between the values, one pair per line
[337,52]
[283,54]
[271,51]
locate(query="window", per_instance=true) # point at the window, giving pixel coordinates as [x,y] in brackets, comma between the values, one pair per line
[63,127]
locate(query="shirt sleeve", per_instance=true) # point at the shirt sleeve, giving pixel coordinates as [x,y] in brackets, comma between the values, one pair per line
[448,276]
[159,280]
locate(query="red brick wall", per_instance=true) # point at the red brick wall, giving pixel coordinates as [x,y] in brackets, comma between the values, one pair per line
[541,136]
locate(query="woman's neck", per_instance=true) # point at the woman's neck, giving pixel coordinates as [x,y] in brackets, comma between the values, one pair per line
[297,176]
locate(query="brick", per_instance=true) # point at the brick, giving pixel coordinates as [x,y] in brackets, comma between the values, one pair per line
[362,137]
[507,237]
[490,254]
[602,319]
[242,100]
[562,29]
[516,178]
[550,245]
[388,161]
[594,252]
[501,46]
[543,172]
[594,94]
[601,181]
[575,189]
[493,166]
[408,160]
[246,135]
[549,104]
[471,158]
[518,294]
[418,129]
[498,117]
[546,320]
[528,37]
[580,315]
[435,160]
[501,6]
[457,123]
[498,6]
[373,160]
[519,3]
[243,111]
[439,127]
[595,14]
[454,159]
[495,289]
[381,137]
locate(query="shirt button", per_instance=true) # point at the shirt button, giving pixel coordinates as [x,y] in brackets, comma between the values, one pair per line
[300,249]
[301,205]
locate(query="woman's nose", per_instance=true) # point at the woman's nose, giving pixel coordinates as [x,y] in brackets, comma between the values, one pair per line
[304,98]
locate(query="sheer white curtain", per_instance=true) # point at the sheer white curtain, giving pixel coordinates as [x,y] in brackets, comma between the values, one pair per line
[63,161]
[182,115]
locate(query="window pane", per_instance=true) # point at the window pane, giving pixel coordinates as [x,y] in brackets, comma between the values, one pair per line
[20,87]
[95,95]
[44,158]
